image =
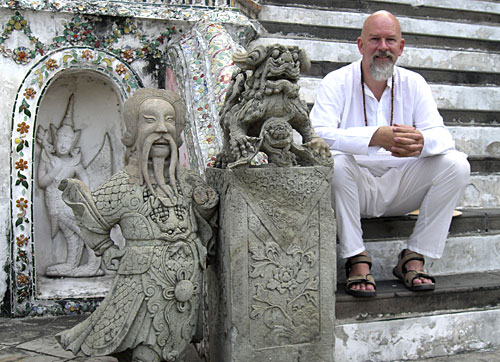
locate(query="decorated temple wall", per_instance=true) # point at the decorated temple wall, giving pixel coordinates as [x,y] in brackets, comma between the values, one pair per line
[101,55]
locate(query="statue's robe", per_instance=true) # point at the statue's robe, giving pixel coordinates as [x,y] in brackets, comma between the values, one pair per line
[155,296]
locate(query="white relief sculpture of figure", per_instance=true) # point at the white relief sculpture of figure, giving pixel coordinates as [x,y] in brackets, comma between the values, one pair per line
[60,159]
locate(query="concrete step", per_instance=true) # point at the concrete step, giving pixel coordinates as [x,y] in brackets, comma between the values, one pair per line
[346,26]
[346,52]
[319,69]
[451,97]
[473,244]
[471,222]
[474,253]
[419,337]
[467,11]
[453,292]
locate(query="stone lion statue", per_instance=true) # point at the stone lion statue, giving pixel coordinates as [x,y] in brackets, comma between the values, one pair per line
[263,107]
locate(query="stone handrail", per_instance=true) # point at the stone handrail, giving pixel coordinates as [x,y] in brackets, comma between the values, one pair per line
[248,7]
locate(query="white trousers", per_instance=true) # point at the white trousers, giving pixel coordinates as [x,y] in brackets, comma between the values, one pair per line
[432,184]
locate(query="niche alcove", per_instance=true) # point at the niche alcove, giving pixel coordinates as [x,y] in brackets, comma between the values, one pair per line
[83,107]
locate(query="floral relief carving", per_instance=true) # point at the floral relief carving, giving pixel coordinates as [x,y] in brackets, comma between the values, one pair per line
[286,284]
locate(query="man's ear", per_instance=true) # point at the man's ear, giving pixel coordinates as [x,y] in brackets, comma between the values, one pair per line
[360,45]
[401,46]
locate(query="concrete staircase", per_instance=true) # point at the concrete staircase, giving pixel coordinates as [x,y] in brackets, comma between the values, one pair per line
[455,45]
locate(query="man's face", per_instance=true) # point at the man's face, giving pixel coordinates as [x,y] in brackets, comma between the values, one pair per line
[156,127]
[381,44]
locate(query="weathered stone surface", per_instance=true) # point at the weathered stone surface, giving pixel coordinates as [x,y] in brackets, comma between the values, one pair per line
[452,293]
[272,286]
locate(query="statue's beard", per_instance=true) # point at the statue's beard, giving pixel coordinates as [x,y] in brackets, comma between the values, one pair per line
[158,164]
[382,70]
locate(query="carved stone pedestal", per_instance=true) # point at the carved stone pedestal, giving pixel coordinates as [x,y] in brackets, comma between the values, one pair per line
[271,289]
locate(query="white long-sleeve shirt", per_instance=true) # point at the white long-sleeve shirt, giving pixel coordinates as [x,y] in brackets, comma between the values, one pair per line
[337,115]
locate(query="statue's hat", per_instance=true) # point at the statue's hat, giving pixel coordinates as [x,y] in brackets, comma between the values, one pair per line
[68,116]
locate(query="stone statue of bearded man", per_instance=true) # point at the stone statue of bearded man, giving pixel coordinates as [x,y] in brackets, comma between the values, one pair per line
[167,217]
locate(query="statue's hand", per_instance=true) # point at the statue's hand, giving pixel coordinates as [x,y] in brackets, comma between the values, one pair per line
[111,257]
[205,196]
[319,146]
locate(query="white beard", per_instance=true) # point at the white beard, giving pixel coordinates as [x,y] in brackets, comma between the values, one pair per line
[381,70]
[158,164]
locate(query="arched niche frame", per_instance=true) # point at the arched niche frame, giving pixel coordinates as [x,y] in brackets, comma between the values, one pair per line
[124,81]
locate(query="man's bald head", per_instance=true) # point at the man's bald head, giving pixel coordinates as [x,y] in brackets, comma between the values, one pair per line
[378,17]
[380,44]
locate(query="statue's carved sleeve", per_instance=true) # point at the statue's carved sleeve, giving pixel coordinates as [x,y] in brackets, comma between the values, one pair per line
[94,228]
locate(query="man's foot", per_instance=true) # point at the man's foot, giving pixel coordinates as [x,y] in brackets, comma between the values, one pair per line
[360,282]
[410,269]
[417,265]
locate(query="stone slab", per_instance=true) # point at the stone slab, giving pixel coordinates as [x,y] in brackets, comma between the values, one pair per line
[46,345]
[272,286]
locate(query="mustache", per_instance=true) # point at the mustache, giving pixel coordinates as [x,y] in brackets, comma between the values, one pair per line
[386,53]
[158,163]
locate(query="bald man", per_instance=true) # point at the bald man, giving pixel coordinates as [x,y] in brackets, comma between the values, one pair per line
[392,155]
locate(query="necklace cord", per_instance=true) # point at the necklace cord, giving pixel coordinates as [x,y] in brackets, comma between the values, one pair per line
[364,96]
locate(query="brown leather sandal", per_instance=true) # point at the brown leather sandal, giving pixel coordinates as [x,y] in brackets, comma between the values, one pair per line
[357,279]
[408,276]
